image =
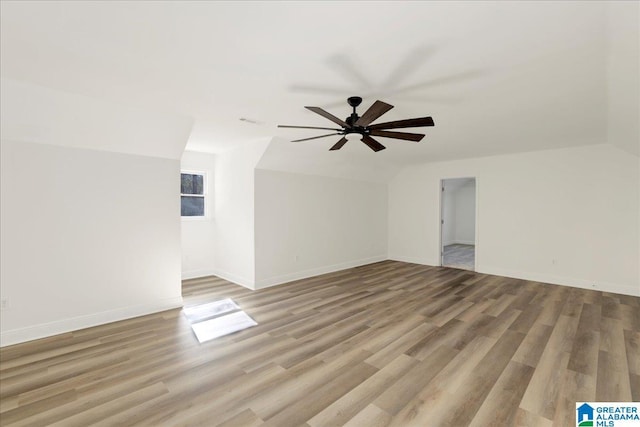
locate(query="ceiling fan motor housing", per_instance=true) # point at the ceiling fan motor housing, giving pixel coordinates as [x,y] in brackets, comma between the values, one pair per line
[351,120]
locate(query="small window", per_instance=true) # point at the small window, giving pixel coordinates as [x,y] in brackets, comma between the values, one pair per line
[192,194]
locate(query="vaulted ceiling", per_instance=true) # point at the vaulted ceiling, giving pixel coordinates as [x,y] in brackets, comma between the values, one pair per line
[497,77]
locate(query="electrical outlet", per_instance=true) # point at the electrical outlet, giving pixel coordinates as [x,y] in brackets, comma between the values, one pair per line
[3,304]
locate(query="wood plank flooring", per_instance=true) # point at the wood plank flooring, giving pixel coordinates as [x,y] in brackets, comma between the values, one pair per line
[388,344]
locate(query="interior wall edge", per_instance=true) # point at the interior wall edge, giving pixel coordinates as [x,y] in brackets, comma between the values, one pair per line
[44,330]
[233,278]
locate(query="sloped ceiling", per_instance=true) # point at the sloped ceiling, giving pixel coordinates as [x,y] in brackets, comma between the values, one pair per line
[497,77]
[33,113]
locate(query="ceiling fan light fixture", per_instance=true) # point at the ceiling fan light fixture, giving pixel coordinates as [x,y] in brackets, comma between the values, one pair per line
[360,128]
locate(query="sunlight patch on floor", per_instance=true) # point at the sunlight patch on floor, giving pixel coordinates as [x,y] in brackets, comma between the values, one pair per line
[216,319]
[202,312]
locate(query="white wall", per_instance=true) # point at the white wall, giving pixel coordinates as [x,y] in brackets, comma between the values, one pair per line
[353,161]
[268,227]
[448,217]
[198,235]
[465,214]
[567,216]
[87,237]
[307,225]
[234,212]
[623,68]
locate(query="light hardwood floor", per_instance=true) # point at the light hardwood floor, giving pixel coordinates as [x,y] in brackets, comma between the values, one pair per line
[385,344]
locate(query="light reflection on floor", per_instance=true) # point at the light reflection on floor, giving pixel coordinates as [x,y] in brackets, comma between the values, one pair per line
[217,319]
[202,312]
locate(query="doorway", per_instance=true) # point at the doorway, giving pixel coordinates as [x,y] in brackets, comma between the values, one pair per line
[458,223]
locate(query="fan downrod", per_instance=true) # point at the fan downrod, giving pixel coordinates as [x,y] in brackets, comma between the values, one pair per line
[353,101]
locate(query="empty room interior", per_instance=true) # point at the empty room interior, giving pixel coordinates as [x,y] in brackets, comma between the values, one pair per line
[312,214]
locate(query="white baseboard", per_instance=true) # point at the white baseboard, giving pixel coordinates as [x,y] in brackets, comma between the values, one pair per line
[238,280]
[195,274]
[615,288]
[30,333]
[412,260]
[43,330]
[277,280]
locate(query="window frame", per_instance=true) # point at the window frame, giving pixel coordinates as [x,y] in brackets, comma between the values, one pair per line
[203,195]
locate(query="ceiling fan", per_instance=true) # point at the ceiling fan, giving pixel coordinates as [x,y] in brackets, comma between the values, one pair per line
[355,124]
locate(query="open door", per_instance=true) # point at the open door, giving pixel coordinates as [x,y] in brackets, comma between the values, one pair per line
[458,223]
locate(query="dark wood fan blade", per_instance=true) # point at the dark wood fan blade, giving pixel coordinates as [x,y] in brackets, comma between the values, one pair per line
[306,127]
[315,137]
[338,145]
[372,143]
[397,135]
[376,110]
[409,123]
[326,115]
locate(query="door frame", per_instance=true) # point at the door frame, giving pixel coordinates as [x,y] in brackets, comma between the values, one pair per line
[441,182]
